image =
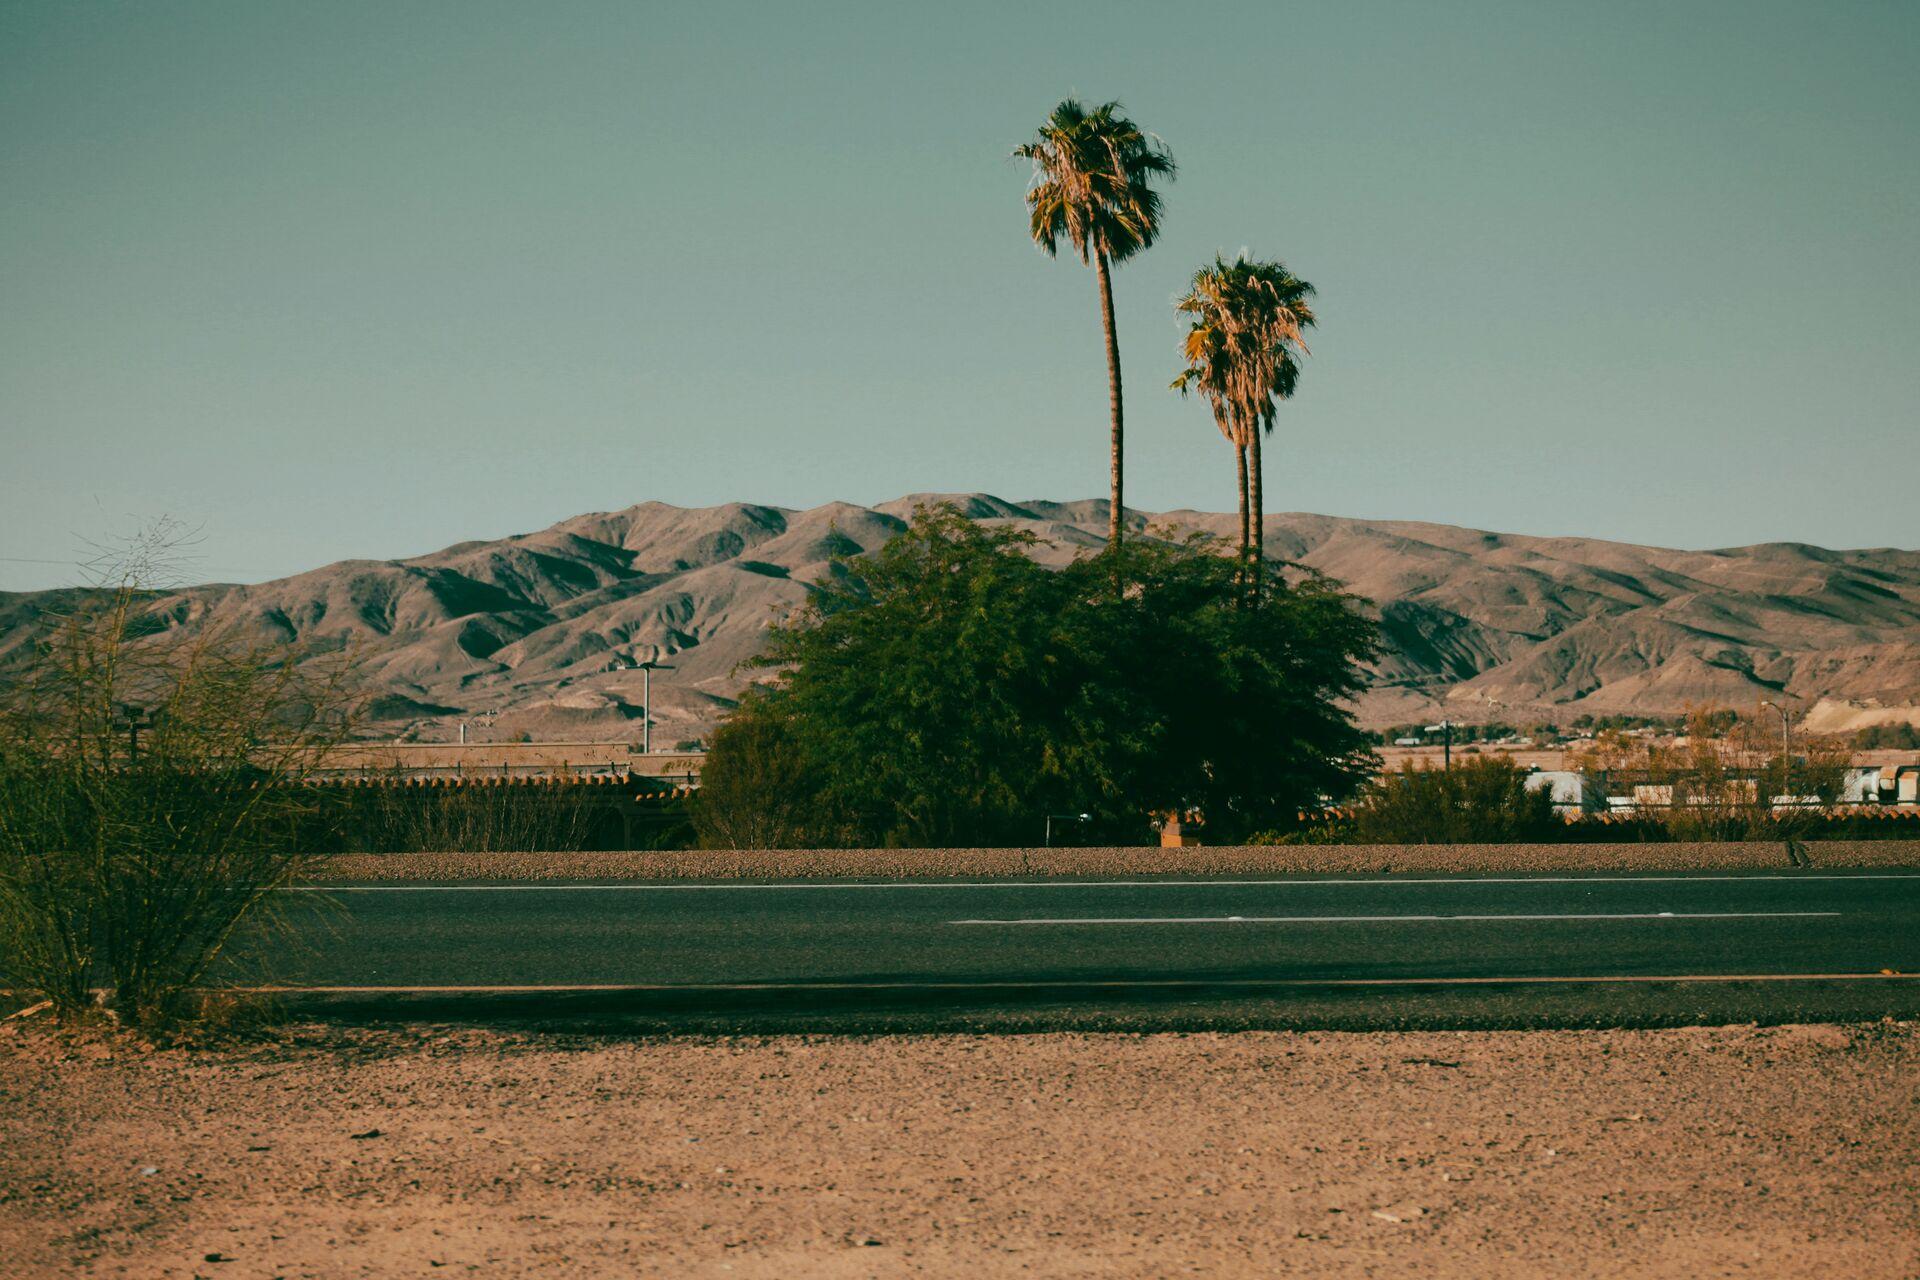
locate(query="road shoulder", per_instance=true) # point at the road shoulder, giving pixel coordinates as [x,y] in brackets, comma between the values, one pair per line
[800,864]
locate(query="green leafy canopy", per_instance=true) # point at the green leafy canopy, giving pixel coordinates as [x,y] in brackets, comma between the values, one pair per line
[951,691]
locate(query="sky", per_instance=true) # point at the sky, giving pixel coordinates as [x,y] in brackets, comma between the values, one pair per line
[363,280]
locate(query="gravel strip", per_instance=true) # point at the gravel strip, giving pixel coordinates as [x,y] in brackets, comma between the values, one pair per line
[765,864]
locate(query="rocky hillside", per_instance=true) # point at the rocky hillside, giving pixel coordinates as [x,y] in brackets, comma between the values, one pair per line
[527,634]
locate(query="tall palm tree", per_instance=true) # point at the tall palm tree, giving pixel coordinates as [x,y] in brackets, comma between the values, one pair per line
[1243,350]
[1093,175]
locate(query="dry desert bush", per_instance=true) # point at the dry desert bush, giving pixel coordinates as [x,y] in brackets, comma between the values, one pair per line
[148,798]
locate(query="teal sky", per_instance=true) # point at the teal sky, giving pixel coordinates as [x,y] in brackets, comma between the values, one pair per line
[341,279]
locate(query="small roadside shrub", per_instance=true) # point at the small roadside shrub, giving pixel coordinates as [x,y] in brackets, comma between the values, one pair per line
[476,818]
[1481,800]
[764,793]
[1327,830]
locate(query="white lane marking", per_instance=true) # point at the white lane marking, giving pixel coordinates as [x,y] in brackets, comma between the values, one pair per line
[742,886]
[1074,984]
[1635,915]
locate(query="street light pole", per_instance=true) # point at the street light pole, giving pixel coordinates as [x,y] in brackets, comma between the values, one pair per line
[1445,727]
[647,669]
[1786,745]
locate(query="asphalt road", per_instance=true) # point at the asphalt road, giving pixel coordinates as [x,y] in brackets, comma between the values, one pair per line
[1350,951]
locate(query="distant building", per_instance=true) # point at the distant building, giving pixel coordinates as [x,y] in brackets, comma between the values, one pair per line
[1860,786]
[1653,795]
[1884,784]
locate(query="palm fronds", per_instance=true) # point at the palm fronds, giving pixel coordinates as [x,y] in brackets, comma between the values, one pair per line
[1093,175]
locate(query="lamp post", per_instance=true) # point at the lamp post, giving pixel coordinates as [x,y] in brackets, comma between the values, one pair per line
[1786,746]
[1064,817]
[647,669]
[1446,727]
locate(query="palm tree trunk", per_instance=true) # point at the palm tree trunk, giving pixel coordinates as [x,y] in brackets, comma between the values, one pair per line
[1113,395]
[1257,559]
[1240,457]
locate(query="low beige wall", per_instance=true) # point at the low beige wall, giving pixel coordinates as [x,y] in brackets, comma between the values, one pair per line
[768,864]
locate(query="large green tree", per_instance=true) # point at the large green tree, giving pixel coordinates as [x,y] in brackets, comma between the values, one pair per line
[948,690]
[1243,349]
[1093,176]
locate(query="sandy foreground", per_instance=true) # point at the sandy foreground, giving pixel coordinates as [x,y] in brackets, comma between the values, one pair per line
[326,1152]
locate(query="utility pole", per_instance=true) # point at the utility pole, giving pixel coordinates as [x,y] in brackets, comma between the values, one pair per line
[1445,727]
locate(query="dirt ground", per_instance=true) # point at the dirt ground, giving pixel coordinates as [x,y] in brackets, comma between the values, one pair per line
[335,1153]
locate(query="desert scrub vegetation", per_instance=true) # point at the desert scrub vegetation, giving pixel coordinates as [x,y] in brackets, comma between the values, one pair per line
[1721,780]
[1480,800]
[149,801]
[395,818]
[1880,737]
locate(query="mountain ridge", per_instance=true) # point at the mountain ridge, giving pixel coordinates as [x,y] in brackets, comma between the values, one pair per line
[525,631]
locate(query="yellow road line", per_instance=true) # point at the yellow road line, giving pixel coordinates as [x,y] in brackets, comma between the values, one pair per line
[587,987]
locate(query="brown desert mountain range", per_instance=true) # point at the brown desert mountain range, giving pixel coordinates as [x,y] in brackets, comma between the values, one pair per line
[532,633]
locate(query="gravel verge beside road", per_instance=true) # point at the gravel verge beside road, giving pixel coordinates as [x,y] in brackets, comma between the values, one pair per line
[1779,1152]
[767,864]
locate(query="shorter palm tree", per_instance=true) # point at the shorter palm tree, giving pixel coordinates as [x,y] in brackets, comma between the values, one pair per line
[1243,350]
